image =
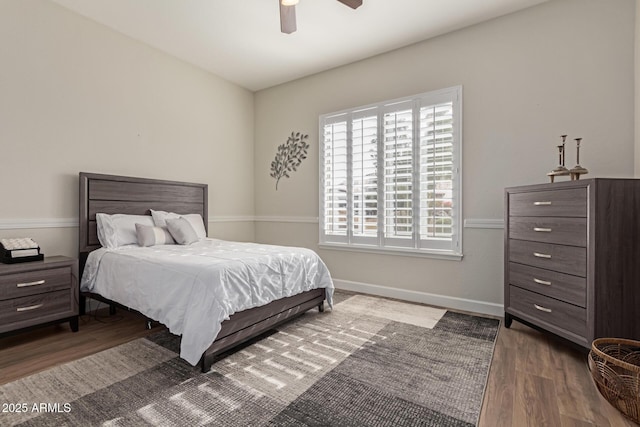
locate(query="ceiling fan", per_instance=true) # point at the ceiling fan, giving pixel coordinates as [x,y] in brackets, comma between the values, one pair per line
[288,13]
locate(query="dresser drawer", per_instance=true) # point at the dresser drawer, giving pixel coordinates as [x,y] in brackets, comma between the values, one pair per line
[564,259]
[565,287]
[563,231]
[34,282]
[34,309]
[569,203]
[539,308]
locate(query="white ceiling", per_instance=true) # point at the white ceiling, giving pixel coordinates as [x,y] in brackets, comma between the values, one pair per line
[240,40]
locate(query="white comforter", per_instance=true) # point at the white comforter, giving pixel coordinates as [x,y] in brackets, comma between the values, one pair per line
[192,289]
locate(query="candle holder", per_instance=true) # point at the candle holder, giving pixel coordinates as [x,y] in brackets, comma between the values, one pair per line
[560,170]
[577,170]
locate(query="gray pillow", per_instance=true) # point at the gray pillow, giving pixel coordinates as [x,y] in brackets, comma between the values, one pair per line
[149,235]
[160,220]
[182,231]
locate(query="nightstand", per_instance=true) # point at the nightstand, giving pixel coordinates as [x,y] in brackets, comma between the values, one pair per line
[39,293]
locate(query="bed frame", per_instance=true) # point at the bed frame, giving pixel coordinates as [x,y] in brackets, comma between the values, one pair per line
[113,194]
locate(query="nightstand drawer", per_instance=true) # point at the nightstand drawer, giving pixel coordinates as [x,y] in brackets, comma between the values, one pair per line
[34,282]
[565,287]
[568,203]
[35,309]
[539,308]
[562,231]
[564,259]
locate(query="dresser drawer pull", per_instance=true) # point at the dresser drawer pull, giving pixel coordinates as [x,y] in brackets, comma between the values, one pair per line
[542,230]
[541,203]
[539,255]
[31,307]
[546,310]
[542,282]
[37,282]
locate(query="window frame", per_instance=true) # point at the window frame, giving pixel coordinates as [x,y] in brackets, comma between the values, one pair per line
[414,246]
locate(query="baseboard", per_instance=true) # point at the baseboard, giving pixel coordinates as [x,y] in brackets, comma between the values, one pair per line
[481,307]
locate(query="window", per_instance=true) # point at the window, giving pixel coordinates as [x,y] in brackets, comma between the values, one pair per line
[390,175]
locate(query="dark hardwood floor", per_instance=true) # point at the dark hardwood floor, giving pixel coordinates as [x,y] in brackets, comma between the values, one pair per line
[39,349]
[534,380]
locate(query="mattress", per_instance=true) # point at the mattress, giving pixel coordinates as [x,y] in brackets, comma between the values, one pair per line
[192,289]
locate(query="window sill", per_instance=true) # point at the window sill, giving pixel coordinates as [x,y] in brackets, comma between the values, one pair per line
[420,253]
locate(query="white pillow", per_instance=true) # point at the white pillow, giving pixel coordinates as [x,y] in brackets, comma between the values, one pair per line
[160,219]
[119,229]
[198,225]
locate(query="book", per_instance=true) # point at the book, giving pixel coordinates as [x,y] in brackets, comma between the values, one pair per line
[19,250]
[19,253]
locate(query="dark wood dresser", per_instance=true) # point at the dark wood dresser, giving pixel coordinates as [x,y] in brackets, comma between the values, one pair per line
[38,292]
[572,258]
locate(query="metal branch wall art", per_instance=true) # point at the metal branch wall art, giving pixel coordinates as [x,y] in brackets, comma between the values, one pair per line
[289,156]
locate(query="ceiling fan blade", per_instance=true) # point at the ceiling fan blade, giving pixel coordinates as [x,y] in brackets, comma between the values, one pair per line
[353,4]
[287,18]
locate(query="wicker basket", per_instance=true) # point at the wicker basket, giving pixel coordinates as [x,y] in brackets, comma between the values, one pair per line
[615,368]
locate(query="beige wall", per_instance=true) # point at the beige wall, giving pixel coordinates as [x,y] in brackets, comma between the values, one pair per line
[563,67]
[77,96]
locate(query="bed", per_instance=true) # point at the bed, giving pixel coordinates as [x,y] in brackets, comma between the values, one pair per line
[110,194]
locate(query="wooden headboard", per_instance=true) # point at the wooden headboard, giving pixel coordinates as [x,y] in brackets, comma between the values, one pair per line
[113,194]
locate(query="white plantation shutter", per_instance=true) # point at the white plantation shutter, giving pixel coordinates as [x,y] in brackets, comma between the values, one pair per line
[364,185]
[398,174]
[335,179]
[391,175]
[436,172]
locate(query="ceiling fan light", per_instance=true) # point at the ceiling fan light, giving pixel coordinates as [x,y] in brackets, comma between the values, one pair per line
[289,2]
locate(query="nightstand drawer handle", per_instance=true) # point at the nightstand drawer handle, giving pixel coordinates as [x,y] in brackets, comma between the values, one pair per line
[539,255]
[546,310]
[31,307]
[37,282]
[542,230]
[541,203]
[542,282]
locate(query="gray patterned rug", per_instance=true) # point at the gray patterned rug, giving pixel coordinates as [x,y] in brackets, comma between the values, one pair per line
[368,362]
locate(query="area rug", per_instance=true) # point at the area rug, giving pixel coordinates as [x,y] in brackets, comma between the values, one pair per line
[367,362]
